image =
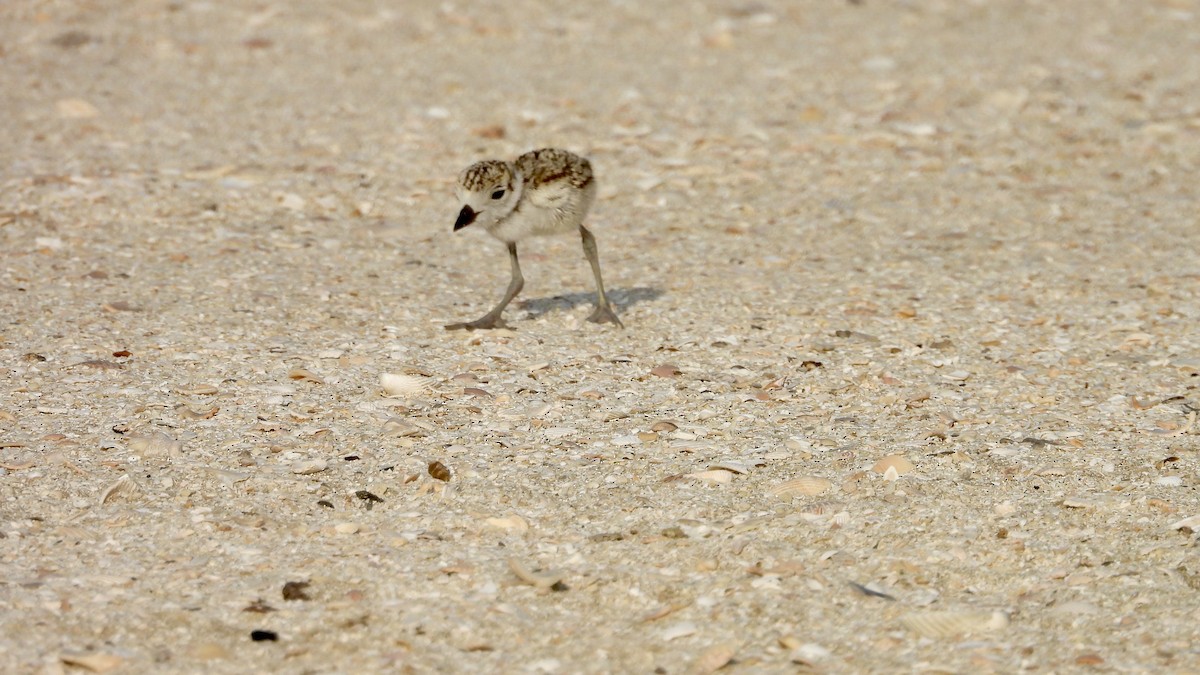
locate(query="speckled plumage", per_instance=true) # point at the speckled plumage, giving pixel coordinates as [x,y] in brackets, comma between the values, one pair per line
[546,191]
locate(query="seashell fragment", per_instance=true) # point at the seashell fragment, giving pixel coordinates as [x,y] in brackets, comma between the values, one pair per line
[403,385]
[537,578]
[808,486]
[733,465]
[309,466]
[188,414]
[123,487]
[513,523]
[950,623]
[305,374]
[97,662]
[197,390]
[898,465]
[156,444]
[714,658]
[1169,433]
[678,630]
[1191,523]
[397,427]
[715,476]
[662,426]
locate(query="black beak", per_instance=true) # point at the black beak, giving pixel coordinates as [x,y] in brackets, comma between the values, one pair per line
[465,218]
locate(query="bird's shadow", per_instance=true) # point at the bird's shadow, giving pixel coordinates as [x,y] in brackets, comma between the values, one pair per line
[621,298]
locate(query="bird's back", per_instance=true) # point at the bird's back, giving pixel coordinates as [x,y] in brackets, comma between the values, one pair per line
[559,188]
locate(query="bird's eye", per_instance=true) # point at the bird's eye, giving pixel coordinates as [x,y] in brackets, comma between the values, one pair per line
[498,194]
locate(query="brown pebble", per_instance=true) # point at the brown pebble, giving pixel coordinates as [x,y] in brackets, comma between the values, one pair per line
[439,471]
[296,590]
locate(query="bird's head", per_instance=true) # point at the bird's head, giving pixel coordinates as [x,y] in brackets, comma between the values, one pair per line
[488,192]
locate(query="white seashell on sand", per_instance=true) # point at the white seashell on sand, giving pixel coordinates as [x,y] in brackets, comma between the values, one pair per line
[808,486]
[403,385]
[309,466]
[124,487]
[950,623]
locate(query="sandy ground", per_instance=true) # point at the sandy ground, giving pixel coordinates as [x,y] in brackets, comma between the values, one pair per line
[956,239]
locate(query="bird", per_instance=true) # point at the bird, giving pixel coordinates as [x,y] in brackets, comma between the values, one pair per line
[542,192]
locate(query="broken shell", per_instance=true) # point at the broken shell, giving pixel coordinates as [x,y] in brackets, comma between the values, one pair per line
[1191,523]
[189,414]
[513,523]
[305,374]
[677,631]
[536,578]
[951,623]
[96,662]
[664,426]
[197,390]
[398,427]
[715,476]
[122,487]
[803,485]
[309,466]
[714,658]
[403,385]
[735,465]
[156,444]
[897,463]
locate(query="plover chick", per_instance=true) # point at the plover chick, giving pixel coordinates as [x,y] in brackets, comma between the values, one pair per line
[546,191]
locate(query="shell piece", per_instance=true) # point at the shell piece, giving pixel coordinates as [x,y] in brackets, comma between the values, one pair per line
[678,630]
[537,578]
[305,374]
[197,390]
[398,427]
[802,485]
[309,466]
[898,464]
[512,523]
[715,476]
[736,465]
[123,487]
[714,658]
[156,444]
[1191,523]
[403,385]
[96,662]
[950,623]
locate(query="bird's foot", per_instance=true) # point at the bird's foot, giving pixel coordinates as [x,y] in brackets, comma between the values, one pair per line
[605,314]
[485,322]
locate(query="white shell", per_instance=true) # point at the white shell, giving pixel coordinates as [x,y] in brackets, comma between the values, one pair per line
[307,466]
[716,476]
[893,466]
[1191,522]
[954,622]
[802,485]
[122,487]
[403,385]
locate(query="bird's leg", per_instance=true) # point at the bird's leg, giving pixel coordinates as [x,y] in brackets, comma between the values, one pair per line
[492,319]
[603,312]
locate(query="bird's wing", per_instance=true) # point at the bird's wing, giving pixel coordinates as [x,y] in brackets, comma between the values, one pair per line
[550,195]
